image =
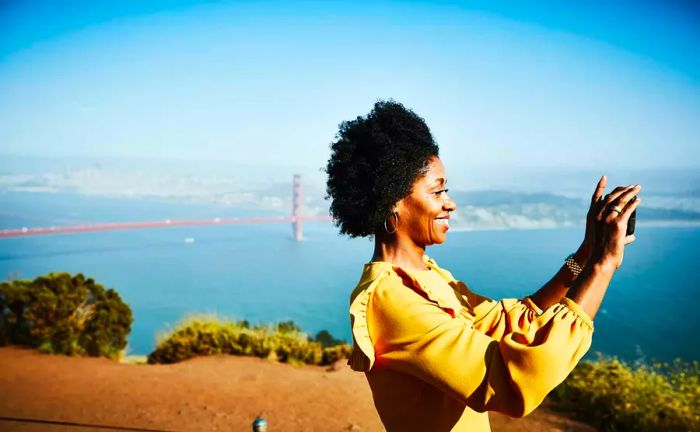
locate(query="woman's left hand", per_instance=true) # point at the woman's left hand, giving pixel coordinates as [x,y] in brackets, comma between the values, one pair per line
[583,254]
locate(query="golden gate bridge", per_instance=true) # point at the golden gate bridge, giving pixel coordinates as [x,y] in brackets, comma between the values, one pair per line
[296,219]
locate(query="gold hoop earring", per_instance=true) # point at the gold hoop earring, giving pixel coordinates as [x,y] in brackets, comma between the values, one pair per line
[396,223]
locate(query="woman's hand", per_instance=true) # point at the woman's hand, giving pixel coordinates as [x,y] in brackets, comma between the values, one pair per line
[606,228]
[606,223]
[583,254]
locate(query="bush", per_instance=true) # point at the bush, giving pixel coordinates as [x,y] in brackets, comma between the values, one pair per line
[205,335]
[326,339]
[64,314]
[616,396]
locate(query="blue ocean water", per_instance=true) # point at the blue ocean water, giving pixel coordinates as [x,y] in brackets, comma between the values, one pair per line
[258,273]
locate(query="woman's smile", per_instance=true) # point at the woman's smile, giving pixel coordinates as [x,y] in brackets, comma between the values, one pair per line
[444,221]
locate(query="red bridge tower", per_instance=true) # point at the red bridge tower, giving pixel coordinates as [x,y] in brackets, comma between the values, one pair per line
[296,208]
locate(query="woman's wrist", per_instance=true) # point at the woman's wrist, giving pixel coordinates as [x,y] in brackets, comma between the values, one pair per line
[589,289]
[603,266]
[582,255]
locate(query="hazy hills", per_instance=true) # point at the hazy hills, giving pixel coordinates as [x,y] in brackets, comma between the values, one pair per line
[517,199]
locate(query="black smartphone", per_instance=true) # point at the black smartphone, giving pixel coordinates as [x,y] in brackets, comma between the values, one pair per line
[632,221]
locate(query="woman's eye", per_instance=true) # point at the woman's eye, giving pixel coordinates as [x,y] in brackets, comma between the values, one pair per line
[441,191]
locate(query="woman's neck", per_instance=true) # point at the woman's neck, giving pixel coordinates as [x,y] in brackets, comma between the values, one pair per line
[402,253]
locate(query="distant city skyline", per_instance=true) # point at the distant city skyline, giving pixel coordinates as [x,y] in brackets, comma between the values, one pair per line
[502,85]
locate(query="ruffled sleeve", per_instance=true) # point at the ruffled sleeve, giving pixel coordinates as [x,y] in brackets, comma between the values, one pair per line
[507,316]
[512,375]
[493,318]
[362,356]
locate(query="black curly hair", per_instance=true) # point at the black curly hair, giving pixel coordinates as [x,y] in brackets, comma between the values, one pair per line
[374,162]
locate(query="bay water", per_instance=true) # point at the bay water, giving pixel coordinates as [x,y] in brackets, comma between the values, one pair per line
[259,273]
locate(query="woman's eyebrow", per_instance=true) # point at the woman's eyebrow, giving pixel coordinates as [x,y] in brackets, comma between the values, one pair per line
[440,181]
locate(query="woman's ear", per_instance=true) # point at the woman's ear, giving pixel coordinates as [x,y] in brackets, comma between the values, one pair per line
[397,207]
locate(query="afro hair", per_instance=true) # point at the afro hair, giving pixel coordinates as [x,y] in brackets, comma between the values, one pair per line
[373,164]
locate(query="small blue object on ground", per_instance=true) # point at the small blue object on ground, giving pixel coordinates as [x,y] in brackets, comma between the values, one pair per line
[259,425]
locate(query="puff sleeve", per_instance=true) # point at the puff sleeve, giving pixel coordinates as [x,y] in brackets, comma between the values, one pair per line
[493,318]
[507,316]
[511,374]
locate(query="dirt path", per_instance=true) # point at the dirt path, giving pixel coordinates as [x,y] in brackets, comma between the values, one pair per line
[204,394]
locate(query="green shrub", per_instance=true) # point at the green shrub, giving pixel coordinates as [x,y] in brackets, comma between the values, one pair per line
[205,335]
[326,339]
[616,396]
[64,314]
[335,353]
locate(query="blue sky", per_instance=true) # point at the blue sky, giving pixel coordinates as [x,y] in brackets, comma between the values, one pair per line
[501,84]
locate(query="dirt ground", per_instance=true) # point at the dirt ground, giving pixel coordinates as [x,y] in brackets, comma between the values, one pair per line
[221,393]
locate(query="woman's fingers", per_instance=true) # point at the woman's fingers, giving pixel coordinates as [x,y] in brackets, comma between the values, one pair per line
[621,204]
[630,239]
[630,206]
[612,196]
[605,202]
[600,188]
[625,204]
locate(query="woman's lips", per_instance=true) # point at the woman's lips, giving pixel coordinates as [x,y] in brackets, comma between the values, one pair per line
[445,222]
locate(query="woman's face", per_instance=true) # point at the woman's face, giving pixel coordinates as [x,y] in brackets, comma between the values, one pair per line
[424,214]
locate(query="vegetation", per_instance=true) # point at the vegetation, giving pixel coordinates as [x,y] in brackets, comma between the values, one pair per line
[284,342]
[64,314]
[616,396]
[73,315]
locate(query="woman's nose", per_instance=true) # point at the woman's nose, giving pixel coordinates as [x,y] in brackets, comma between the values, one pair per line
[448,204]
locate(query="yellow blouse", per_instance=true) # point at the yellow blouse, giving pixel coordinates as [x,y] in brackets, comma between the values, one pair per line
[438,356]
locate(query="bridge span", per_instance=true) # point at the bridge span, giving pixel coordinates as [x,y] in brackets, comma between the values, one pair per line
[296,219]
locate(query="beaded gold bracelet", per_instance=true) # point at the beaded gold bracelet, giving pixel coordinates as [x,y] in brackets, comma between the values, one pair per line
[573,266]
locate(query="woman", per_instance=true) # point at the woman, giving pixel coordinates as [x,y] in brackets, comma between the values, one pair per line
[436,355]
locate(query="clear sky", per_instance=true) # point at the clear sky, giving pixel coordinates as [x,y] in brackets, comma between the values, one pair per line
[501,84]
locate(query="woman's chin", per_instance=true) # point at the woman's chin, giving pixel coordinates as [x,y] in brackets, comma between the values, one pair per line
[439,239]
